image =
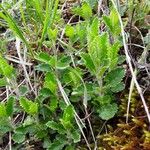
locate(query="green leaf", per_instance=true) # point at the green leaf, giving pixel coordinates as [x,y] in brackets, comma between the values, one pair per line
[24,104]
[29,106]
[3,82]
[101,72]
[5,68]
[2,110]
[23,90]
[75,136]
[81,32]
[52,34]
[5,125]
[108,111]
[115,22]
[115,77]
[93,30]
[119,87]
[33,108]
[18,137]
[75,75]
[112,22]
[43,57]
[48,20]
[98,50]
[57,145]
[50,82]
[63,62]
[37,5]
[55,126]
[86,11]
[43,67]
[68,116]
[108,22]
[104,100]
[28,121]
[13,25]
[88,62]
[53,103]
[44,93]
[113,54]
[10,106]
[69,31]
[70,147]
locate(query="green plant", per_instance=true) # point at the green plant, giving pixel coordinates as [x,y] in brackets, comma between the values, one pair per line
[64,85]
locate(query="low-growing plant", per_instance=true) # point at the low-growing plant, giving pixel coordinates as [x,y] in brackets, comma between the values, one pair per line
[82,79]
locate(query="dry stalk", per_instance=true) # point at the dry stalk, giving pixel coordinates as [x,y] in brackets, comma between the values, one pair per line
[128,59]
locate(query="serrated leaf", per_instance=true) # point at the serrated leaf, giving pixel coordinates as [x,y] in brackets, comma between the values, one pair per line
[5,125]
[10,106]
[68,114]
[24,104]
[115,22]
[108,111]
[75,77]
[115,77]
[57,145]
[86,11]
[55,126]
[108,22]
[119,87]
[29,106]
[33,108]
[104,100]
[88,62]
[75,136]
[18,137]
[98,50]
[113,54]
[28,121]
[53,103]
[112,22]
[50,82]
[93,30]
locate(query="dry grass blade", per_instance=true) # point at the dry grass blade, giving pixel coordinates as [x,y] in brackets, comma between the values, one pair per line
[128,59]
[23,65]
[77,118]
